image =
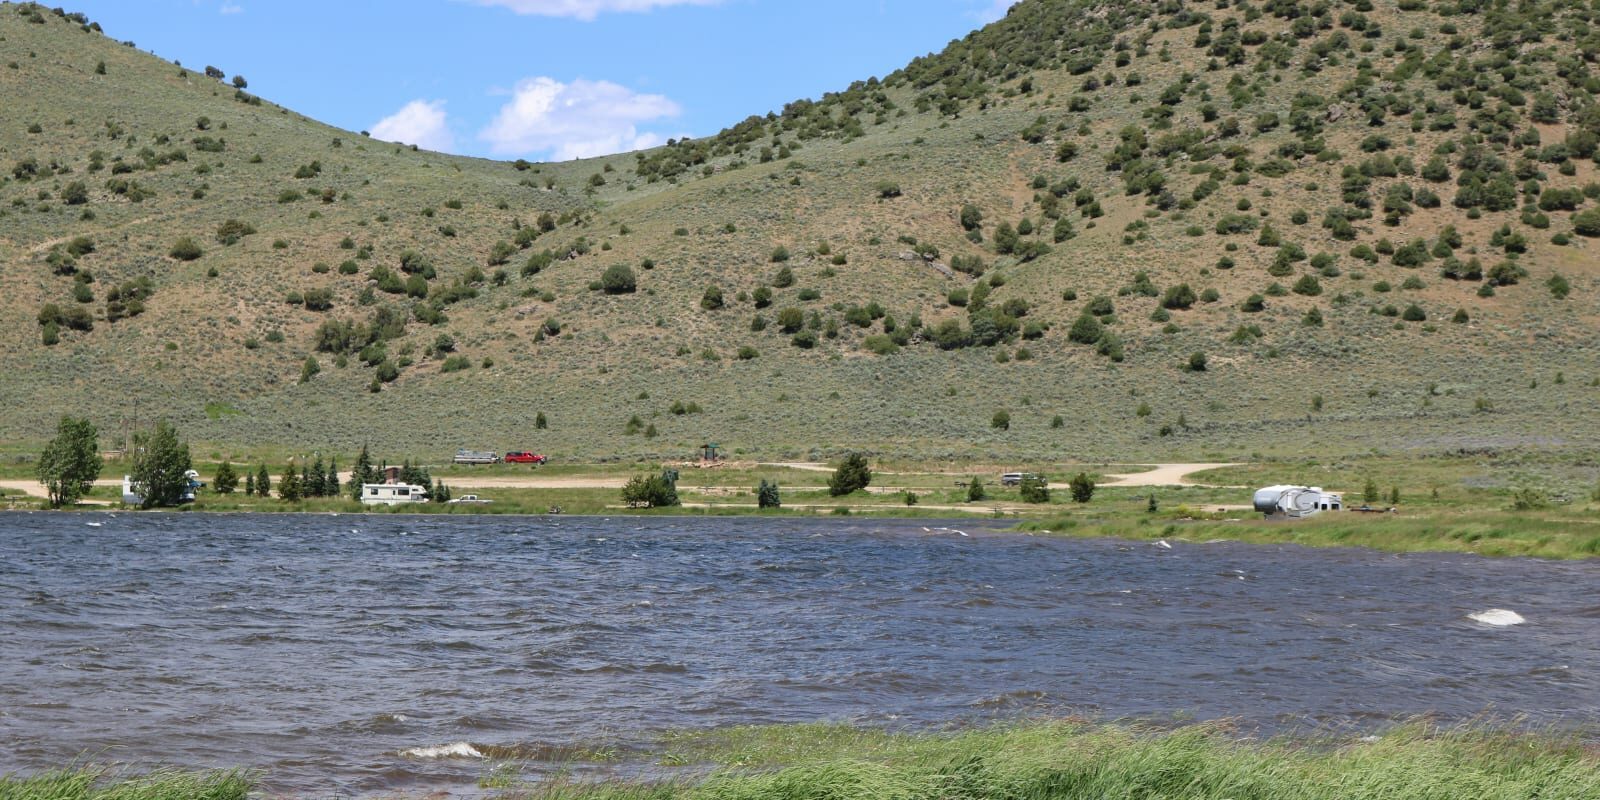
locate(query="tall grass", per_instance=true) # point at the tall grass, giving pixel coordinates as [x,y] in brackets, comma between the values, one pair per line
[95,784]
[1069,761]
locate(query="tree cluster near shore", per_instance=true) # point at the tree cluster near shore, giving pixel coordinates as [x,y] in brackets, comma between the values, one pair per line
[70,463]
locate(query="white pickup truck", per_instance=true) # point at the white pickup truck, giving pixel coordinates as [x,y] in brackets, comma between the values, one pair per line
[470,498]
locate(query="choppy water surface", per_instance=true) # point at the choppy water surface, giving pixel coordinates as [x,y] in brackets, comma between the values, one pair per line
[322,648]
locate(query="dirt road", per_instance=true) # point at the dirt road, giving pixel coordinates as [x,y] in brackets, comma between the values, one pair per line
[1163,475]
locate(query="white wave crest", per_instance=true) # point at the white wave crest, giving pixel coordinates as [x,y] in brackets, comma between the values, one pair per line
[1498,617]
[457,750]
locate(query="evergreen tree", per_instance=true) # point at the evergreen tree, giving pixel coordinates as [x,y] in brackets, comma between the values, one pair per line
[361,473]
[249,484]
[975,491]
[225,480]
[290,487]
[263,482]
[767,495]
[852,475]
[1035,489]
[305,481]
[317,485]
[539,422]
[159,466]
[1082,487]
[71,462]
[330,482]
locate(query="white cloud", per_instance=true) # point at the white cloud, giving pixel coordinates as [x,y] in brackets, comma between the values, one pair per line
[581,119]
[232,8]
[587,9]
[421,123]
[996,10]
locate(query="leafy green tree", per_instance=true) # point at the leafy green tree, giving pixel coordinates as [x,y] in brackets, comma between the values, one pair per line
[160,466]
[225,481]
[1082,487]
[289,487]
[618,279]
[852,475]
[1197,362]
[186,249]
[975,491]
[1086,329]
[652,491]
[1035,489]
[712,299]
[767,495]
[1001,420]
[1178,297]
[971,217]
[71,462]
[1587,223]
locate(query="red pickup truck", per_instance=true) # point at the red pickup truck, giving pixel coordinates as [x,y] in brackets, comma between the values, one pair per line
[525,457]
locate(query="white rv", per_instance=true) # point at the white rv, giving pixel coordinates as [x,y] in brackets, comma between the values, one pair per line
[1296,501]
[133,492]
[392,494]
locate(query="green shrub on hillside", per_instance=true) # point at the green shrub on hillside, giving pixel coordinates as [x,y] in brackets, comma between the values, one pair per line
[186,249]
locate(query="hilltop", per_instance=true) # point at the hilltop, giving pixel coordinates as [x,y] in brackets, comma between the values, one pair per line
[1096,230]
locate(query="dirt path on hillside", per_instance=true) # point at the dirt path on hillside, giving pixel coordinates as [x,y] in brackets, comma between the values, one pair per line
[1163,475]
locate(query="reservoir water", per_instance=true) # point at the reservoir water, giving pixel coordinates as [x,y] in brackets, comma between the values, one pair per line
[368,654]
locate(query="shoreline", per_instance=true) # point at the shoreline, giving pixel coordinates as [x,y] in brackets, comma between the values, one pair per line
[1490,534]
[1065,758]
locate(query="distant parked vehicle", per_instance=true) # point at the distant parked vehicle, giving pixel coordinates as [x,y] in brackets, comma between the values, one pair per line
[1296,501]
[525,457]
[391,494]
[476,457]
[1015,478]
[470,499]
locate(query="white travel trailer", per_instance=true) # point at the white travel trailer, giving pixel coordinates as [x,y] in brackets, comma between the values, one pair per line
[133,493]
[1296,501]
[392,494]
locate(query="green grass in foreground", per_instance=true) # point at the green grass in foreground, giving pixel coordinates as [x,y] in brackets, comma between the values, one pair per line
[1078,760]
[93,784]
[1037,760]
[1568,533]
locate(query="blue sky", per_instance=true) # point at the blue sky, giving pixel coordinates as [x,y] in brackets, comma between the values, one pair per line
[541,79]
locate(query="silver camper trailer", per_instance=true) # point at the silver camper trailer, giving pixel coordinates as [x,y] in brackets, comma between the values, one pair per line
[1296,501]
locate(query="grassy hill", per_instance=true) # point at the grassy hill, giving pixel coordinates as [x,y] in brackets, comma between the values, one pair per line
[1308,227]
